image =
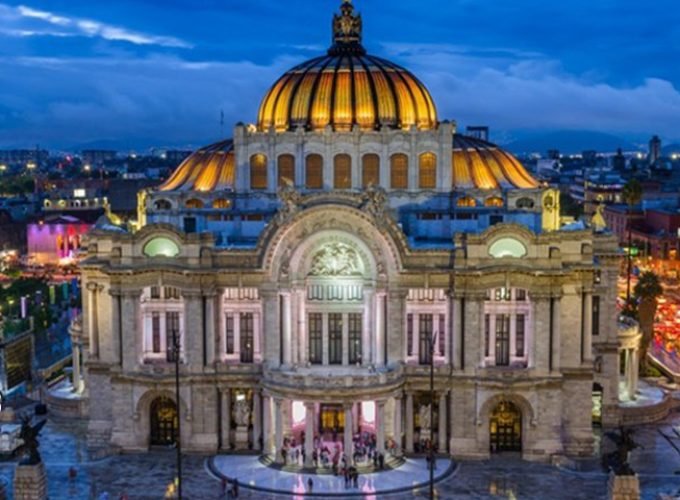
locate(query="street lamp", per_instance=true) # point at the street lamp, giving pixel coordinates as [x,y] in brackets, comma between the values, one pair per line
[433,341]
[174,353]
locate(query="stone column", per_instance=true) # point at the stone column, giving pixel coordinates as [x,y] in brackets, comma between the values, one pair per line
[309,434]
[257,420]
[348,434]
[556,352]
[267,425]
[398,438]
[210,329]
[226,419]
[409,422]
[588,327]
[114,328]
[380,425]
[635,372]
[92,323]
[441,426]
[286,328]
[367,334]
[132,338]
[190,337]
[457,333]
[379,333]
[76,331]
[278,429]
[303,353]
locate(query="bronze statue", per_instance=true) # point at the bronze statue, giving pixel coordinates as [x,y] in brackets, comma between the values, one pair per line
[29,435]
[618,459]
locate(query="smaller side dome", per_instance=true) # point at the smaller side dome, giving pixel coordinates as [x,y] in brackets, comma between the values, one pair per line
[483,165]
[211,168]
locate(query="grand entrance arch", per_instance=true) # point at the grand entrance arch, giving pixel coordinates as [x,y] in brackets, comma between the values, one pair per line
[505,428]
[163,421]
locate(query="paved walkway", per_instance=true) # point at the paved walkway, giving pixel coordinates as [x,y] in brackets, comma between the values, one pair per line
[148,475]
[253,474]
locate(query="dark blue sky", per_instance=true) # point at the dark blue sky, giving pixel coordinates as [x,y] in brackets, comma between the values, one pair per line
[159,71]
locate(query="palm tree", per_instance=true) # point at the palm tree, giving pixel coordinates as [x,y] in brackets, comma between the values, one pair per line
[647,291]
[632,194]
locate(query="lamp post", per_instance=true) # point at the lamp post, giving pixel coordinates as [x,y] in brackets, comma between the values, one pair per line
[175,352]
[433,341]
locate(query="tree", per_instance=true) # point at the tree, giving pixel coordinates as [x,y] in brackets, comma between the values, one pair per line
[647,291]
[632,194]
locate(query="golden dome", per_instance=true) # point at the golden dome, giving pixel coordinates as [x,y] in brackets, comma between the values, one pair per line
[211,168]
[347,87]
[483,165]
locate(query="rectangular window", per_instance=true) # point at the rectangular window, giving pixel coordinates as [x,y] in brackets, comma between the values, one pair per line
[155,292]
[521,294]
[409,334]
[315,338]
[487,336]
[425,337]
[247,337]
[596,315]
[441,337]
[335,339]
[520,335]
[502,340]
[171,332]
[156,332]
[355,330]
[171,292]
[229,334]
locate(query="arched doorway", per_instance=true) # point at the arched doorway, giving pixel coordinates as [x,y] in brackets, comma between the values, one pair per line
[505,428]
[164,421]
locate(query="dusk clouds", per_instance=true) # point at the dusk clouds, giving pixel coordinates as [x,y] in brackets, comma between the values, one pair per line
[73,72]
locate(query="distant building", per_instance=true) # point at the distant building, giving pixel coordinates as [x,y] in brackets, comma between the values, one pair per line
[654,150]
[177,156]
[478,132]
[55,240]
[98,157]
[554,154]
[13,157]
[619,161]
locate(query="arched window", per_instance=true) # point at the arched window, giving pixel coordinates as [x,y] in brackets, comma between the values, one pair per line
[314,172]
[525,203]
[342,172]
[194,204]
[258,171]
[427,171]
[467,202]
[493,201]
[399,171]
[162,205]
[370,170]
[221,203]
[286,170]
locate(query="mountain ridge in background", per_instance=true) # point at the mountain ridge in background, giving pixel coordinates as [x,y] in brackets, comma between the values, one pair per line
[569,142]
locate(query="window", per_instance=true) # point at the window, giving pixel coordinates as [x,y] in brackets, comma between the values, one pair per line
[342,172]
[189,226]
[247,337]
[502,340]
[170,292]
[425,337]
[495,219]
[335,339]
[409,334]
[229,334]
[519,335]
[258,171]
[315,338]
[487,332]
[314,172]
[441,337]
[596,315]
[161,247]
[501,294]
[399,171]
[158,205]
[355,330]
[155,292]
[156,332]
[466,202]
[427,171]
[286,170]
[521,295]
[171,332]
[221,204]
[194,204]
[494,201]
[370,172]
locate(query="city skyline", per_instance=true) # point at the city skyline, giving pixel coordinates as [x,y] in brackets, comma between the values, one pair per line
[164,75]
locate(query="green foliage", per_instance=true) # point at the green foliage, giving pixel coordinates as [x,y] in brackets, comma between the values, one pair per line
[648,287]
[632,192]
[17,185]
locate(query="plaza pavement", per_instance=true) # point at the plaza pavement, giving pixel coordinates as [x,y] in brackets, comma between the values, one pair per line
[147,476]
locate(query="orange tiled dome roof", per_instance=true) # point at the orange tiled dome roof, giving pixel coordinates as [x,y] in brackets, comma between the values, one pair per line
[211,168]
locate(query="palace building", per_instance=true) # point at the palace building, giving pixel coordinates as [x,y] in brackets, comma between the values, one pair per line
[315,266]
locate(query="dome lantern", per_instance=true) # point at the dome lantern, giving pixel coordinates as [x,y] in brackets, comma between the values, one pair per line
[347,28]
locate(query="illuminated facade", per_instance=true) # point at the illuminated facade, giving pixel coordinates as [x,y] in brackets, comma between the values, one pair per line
[307,264]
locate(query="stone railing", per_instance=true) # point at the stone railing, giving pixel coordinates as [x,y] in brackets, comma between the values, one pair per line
[331,377]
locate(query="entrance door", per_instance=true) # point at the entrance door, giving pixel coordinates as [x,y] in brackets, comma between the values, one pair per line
[164,421]
[332,419]
[505,428]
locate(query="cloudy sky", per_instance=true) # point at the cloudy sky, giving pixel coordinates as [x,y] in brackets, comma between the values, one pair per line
[133,72]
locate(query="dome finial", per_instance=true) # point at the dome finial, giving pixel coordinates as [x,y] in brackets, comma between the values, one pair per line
[347,27]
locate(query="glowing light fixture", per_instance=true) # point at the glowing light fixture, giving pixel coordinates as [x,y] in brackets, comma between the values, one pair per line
[299,412]
[507,247]
[161,247]
[368,411]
